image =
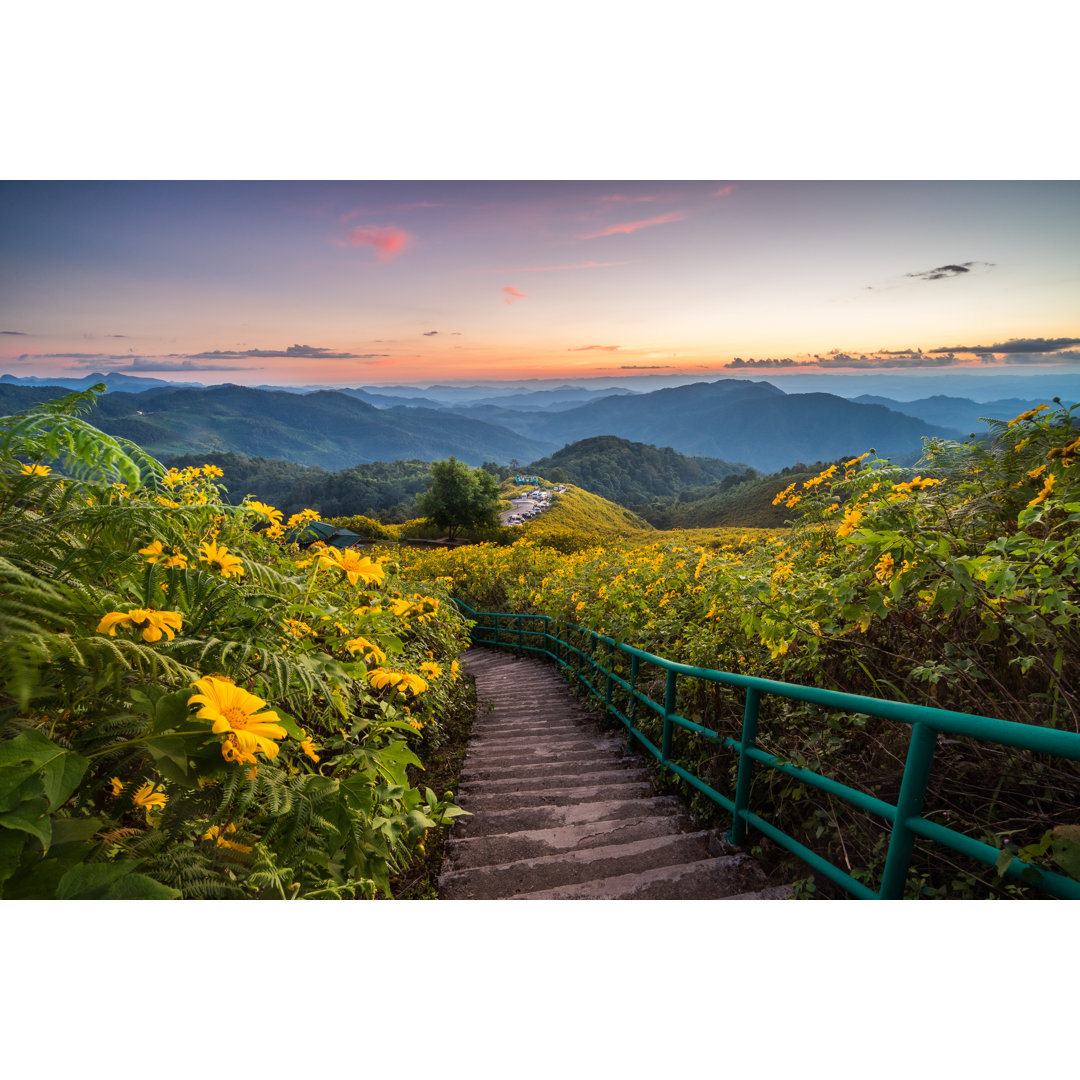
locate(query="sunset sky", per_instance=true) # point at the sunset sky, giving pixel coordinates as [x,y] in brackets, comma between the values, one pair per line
[366,283]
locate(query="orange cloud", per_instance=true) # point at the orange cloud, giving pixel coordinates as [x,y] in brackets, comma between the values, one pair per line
[387,240]
[512,294]
[633,226]
[727,189]
[598,348]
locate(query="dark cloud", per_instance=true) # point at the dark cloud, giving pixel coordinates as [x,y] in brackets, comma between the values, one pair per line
[116,335]
[14,333]
[430,333]
[951,270]
[1015,345]
[304,352]
[785,362]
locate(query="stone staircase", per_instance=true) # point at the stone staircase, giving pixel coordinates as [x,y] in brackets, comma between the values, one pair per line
[560,811]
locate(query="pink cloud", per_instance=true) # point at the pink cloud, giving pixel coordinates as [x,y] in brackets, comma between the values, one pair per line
[512,294]
[628,198]
[598,348]
[633,226]
[727,189]
[387,240]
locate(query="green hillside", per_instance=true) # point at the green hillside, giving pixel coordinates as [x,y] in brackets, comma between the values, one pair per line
[631,473]
[733,503]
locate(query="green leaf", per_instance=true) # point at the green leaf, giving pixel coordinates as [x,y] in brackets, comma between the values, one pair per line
[30,818]
[140,887]
[11,848]
[74,830]
[1065,849]
[1003,862]
[170,754]
[91,881]
[18,785]
[62,776]
[288,723]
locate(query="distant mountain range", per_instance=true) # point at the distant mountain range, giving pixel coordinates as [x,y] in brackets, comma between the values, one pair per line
[733,420]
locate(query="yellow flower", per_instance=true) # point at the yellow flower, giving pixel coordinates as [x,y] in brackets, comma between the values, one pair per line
[368,648]
[156,552]
[381,677]
[1029,415]
[302,518]
[264,510]
[35,470]
[150,797]
[431,670]
[884,568]
[215,833]
[455,667]
[234,713]
[1046,489]
[851,521]
[210,553]
[309,747]
[157,622]
[117,787]
[352,564]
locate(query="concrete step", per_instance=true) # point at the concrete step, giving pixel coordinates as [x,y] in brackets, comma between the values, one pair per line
[525,818]
[603,773]
[508,847]
[705,879]
[600,788]
[577,764]
[506,880]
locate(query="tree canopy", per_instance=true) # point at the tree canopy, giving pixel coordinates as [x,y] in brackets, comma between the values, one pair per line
[460,497]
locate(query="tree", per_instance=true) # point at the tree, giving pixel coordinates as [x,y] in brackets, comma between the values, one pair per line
[459,497]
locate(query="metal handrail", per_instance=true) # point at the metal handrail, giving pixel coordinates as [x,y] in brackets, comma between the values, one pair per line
[516,631]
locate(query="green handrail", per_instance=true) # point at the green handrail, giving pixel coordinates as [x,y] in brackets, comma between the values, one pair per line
[553,640]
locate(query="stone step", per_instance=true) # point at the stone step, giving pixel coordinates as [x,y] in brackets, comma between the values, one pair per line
[599,789]
[522,819]
[558,765]
[506,880]
[509,847]
[705,879]
[604,772]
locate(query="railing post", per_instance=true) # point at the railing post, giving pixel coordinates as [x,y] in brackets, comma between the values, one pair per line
[632,711]
[669,708]
[737,834]
[909,804]
[496,628]
[607,686]
[519,632]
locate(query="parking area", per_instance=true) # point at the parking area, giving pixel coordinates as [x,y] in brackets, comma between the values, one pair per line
[527,506]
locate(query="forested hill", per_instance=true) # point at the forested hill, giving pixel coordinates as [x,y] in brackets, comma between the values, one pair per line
[631,473]
[734,420]
[384,490]
[325,428]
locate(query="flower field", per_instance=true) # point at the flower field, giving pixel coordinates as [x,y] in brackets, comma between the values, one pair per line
[188,707]
[956,587]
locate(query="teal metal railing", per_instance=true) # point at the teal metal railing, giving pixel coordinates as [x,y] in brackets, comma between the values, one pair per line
[555,639]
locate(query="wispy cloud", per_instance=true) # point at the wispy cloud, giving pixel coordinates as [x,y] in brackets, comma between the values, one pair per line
[644,367]
[723,192]
[511,295]
[301,352]
[590,265]
[595,348]
[769,362]
[14,333]
[430,333]
[387,240]
[1014,345]
[419,205]
[633,226]
[951,270]
[627,198]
